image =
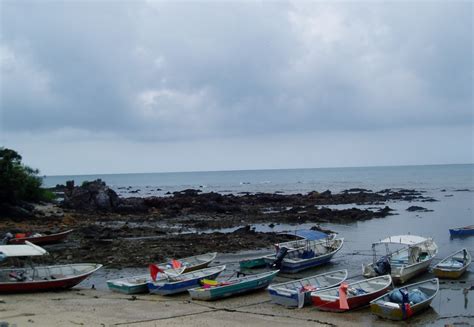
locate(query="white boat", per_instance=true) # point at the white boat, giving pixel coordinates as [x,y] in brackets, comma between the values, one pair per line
[297,293]
[137,284]
[33,278]
[312,254]
[413,258]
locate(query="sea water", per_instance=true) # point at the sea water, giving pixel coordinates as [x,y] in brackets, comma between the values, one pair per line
[451,185]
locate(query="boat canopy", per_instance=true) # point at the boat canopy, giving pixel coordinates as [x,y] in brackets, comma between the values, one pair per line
[403,239]
[21,250]
[311,235]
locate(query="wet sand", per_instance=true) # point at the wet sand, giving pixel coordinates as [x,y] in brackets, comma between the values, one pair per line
[92,304]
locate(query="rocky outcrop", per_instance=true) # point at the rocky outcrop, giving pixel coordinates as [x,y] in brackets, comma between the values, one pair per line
[90,196]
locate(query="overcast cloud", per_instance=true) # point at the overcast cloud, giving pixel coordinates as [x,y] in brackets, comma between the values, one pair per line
[156,74]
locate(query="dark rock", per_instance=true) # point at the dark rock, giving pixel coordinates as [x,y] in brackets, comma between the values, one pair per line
[418,209]
[91,196]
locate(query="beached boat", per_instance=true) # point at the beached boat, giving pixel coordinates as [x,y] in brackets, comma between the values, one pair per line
[462,231]
[34,278]
[454,265]
[181,283]
[137,284]
[303,241]
[412,259]
[39,239]
[312,254]
[350,296]
[252,263]
[297,293]
[403,303]
[213,290]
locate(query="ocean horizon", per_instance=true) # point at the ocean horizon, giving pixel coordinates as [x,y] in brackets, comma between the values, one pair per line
[291,180]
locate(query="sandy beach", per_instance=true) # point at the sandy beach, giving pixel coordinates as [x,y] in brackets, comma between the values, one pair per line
[82,306]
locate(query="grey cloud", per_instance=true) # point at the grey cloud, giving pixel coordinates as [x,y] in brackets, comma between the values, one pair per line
[162,70]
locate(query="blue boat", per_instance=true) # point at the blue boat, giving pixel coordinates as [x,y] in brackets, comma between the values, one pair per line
[304,255]
[183,282]
[462,231]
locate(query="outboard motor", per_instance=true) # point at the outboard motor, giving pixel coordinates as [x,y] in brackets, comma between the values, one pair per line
[279,257]
[7,238]
[382,266]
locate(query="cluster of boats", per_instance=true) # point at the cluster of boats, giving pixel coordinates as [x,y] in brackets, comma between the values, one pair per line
[329,291]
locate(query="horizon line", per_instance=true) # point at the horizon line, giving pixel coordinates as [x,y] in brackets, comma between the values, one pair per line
[257,169]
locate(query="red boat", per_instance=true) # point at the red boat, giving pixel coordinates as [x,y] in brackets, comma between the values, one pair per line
[350,296]
[40,239]
[39,278]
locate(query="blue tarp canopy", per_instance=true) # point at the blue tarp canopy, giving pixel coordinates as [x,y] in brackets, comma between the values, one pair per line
[309,234]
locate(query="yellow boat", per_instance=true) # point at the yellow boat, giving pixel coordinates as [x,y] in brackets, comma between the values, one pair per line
[454,265]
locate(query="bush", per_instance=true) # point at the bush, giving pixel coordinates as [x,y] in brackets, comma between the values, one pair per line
[19,182]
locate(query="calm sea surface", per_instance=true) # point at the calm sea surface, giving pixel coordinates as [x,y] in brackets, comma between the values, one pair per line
[451,185]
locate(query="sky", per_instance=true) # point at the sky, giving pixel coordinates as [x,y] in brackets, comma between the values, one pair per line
[146,86]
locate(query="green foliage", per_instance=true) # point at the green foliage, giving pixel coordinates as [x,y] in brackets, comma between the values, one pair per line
[19,182]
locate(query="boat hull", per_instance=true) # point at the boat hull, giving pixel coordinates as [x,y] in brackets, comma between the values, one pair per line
[292,268]
[118,285]
[252,263]
[408,272]
[397,313]
[385,308]
[461,232]
[175,288]
[294,297]
[135,289]
[233,289]
[449,274]
[45,285]
[353,302]
[42,240]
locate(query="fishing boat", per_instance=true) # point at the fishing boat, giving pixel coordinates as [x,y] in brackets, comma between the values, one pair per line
[256,262]
[28,277]
[297,293]
[137,284]
[303,236]
[39,239]
[462,231]
[213,290]
[350,296]
[454,265]
[403,303]
[181,283]
[413,258]
[312,254]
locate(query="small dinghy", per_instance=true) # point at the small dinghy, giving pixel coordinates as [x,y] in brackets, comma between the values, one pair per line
[311,254]
[213,290]
[181,283]
[350,296]
[402,303]
[462,231]
[137,284]
[29,277]
[297,293]
[454,265]
[37,238]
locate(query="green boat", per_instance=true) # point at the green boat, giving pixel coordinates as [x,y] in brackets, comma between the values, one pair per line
[232,287]
[252,263]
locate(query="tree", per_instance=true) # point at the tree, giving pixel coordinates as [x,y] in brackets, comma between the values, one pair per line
[17,181]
